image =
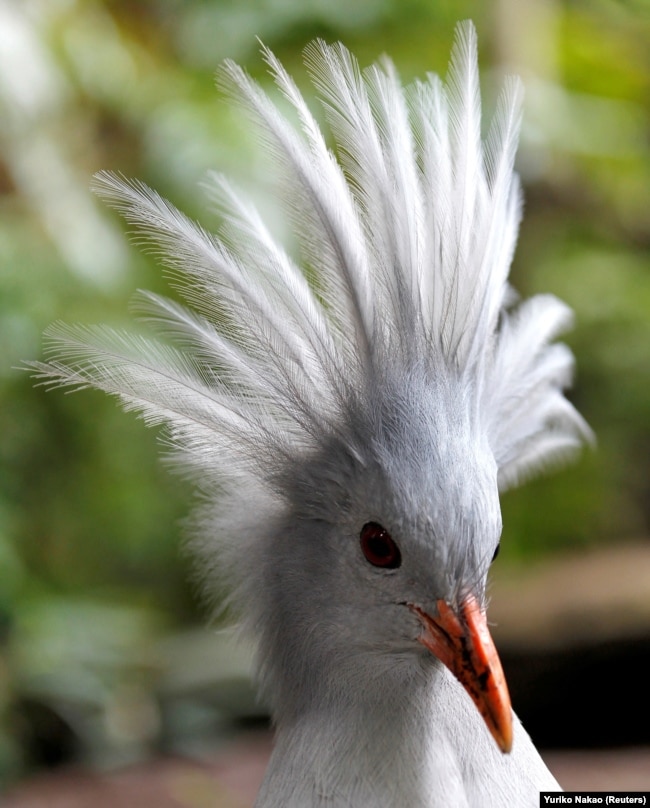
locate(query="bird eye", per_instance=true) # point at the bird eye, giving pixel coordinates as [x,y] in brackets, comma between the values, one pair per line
[496,552]
[378,547]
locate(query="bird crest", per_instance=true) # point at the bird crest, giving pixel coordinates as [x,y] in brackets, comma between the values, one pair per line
[408,224]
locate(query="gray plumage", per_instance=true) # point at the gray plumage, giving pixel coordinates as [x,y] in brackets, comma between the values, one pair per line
[402,385]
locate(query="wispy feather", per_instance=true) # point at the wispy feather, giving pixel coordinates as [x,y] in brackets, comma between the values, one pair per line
[410,226]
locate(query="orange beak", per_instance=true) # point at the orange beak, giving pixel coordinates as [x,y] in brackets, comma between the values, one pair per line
[462,641]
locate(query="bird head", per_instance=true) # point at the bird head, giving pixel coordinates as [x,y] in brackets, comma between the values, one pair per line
[380,558]
[350,427]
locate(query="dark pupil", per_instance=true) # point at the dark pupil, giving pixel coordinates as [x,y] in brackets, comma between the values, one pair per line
[380,546]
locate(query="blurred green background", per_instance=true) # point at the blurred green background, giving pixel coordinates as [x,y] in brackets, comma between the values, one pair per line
[93,581]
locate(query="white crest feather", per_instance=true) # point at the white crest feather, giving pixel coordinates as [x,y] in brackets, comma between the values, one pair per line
[410,229]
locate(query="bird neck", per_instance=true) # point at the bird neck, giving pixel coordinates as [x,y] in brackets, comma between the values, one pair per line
[384,742]
[407,738]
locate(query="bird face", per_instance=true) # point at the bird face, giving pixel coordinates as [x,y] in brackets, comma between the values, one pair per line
[406,529]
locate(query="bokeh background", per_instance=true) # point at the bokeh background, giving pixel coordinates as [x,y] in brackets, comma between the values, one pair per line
[102,658]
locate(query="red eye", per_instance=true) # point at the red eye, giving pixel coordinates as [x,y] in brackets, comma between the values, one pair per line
[378,547]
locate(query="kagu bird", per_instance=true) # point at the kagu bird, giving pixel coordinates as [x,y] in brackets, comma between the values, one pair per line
[350,427]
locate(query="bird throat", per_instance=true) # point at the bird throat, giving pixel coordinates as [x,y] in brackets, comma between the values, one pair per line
[392,738]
